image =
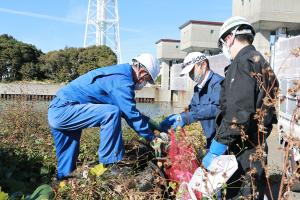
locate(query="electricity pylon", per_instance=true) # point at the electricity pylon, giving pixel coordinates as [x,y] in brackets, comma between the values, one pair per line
[102,25]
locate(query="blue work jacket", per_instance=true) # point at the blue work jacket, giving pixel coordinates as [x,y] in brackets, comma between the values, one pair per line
[204,105]
[112,85]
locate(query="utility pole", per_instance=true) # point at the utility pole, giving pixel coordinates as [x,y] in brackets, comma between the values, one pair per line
[102,25]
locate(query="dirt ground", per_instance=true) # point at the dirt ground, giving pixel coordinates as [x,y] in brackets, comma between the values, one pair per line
[275,160]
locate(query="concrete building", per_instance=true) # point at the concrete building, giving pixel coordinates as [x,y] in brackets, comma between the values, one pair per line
[272,20]
[168,53]
[195,36]
[279,18]
[200,36]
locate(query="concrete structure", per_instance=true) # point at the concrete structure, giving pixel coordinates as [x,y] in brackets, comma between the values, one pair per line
[168,53]
[195,36]
[29,88]
[40,91]
[28,91]
[279,19]
[152,93]
[200,36]
[270,17]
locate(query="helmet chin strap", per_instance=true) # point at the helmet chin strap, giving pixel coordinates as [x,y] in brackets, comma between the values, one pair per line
[234,32]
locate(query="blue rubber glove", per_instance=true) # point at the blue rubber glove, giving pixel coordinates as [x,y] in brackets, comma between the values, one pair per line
[173,121]
[216,149]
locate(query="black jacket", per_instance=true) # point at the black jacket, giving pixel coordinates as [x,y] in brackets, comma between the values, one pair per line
[249,81]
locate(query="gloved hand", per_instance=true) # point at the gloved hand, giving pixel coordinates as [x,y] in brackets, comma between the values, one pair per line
[216,149]
[153,125]
[173,121]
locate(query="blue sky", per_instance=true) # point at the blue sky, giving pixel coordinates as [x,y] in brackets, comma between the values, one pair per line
[54,24]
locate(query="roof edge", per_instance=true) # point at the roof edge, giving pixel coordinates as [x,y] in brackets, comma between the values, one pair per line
[201,22]
[167,40]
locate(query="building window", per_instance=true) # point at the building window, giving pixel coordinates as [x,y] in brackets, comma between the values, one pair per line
[177,46]
[212,31]
[242,2]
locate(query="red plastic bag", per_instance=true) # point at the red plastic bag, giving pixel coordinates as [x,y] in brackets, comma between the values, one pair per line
[182,157]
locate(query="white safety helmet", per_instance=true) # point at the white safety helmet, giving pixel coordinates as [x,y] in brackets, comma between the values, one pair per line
[190,60]
[235,22]
[151,64]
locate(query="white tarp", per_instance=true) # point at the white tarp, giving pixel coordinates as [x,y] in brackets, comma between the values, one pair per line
[287,65]
[218,63]
[176,81]
[287,68]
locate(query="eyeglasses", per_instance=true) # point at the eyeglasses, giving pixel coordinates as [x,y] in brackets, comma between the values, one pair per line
[223,41]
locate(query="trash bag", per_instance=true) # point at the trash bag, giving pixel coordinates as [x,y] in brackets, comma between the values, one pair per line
[182,158]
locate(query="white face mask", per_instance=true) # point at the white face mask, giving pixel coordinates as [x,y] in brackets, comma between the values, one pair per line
[226,48]
[139,86]
[198,78]
[226,52]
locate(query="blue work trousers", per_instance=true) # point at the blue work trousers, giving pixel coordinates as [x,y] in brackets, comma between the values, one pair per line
[67,120]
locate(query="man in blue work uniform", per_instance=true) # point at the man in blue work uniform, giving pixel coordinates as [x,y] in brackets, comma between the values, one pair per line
[205,102]
[100,98]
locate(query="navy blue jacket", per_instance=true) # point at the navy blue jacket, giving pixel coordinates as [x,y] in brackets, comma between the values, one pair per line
[112,85]
[204,105]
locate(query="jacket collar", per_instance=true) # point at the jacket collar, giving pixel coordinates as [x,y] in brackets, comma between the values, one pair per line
[205,80]
[243,51]
[209,77]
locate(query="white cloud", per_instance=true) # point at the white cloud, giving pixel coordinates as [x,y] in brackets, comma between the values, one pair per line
[41,16]
[77,12]
[76,15]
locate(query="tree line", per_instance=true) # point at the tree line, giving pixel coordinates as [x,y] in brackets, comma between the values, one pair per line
[21,61]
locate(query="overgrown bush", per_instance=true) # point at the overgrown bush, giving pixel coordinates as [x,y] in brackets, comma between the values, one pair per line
[26,147]
[27,158]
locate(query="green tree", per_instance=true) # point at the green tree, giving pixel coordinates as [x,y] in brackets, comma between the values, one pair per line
[32,71]
[13,56]
[94,57]
[60,66]
[67,64]
[21,61]
[158,80]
